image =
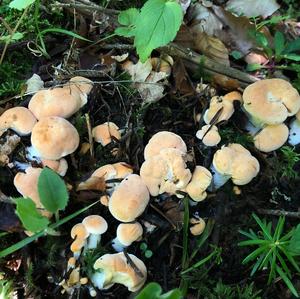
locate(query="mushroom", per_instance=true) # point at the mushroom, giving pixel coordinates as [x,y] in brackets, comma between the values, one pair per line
[270,101]
[161,140]
[127,233]
[198,226]
[18,119]
[76,247]
[79,231]
[27,184]
[271,137]
[115,268]
[235,162]
[60,166]
[83,86]
[209,135]
[54,137]
[162,64]
[294,135]
[200,181]
[165,172]
[129,199]
[96,226]
[103,133]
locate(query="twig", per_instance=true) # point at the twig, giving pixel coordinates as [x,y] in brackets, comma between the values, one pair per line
[88,124]
[163,215]
[279,213]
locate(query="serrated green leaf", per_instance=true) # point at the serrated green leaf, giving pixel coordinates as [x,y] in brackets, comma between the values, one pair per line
[279,43]
[156,26]
[52,191]
[127,18]
[20,4]
[31,219]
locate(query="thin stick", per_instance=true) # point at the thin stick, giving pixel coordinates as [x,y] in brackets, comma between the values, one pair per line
[88,124]
[279,213]
[163,215]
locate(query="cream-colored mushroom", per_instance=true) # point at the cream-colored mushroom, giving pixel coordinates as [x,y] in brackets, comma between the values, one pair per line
[209,135]
[105,133]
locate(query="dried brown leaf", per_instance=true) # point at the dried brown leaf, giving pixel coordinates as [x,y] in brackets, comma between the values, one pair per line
[182,81]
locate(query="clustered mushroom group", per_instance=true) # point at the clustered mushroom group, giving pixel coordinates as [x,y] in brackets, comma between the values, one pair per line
[267,103]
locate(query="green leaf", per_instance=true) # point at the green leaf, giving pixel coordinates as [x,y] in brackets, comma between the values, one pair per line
[31,219]
[52,191]
[294,57]
[294,246]
[156,26]
[20,4]
[236,54]
[153,291]
[253,67]
[15,37]
[127,18]
[293,46]
[263,226]
[287,281]
[279,43]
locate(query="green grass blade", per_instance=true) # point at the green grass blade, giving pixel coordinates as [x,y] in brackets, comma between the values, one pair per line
[287,281]
[63,31]
[254,254]
[284,265]
[256,265]
[263,226]
[253,242]
[28,240]
[279,228]
[248,235]
[272,268]
[266,259]
[289,257]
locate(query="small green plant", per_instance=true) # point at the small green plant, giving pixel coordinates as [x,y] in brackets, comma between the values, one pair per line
[154,291]
[145,250]
[155,25]
[274,251]
[6,288]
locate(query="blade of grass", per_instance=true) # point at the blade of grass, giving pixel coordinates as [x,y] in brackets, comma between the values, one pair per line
[254,254]
[264,227]
[287,281]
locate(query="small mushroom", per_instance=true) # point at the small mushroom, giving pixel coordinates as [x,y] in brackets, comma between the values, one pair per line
[115,268]
[198,226]
[130,199]
[271,138]
[209,135]
[96,226]
[18,119]
[60,166]
[161,140]
[103,133]
[76,247]
[79,231]
[127,233]
[54,137]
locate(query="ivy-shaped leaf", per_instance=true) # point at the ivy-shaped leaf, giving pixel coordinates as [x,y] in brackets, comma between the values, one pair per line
[156,26]
[20,4]
[153,291]
[31,219]
[127,18]
[52,191]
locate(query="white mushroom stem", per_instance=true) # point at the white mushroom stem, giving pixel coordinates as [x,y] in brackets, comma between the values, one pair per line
[98,279]
[92,291]
[93,241]
[117,245]
[251,129]
[32,154]
[294,135]
[218,179]
[21,166]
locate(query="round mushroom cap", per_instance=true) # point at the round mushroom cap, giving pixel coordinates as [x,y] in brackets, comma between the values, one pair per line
[95,224]
[107,172]
[222,160]
[162,64]
[198,226]
[79,231]
[104,133]
[166,172]
[161,140]
[219,107]
[117,269]
[200,181]
[270,101]
[127,233]
[81,84]
[77,245]
[271,137]
[244,169]
[27,185]
[123,169]
[19,119]
[54,137]
[60,166]
[209,135]
[61,101]
[130,199]
[233,96]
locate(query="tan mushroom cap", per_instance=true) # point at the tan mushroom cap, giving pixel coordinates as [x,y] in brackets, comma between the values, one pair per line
[222,160]
[27,185]
[60,166]
[209,135]
[130,199]
[77,245]
[244,169]
[106,171]
[54,137]
[162,64]
[79,231]
[104,133]
[271,137]
[233,96]
[198,226]
[117,270]
[61,101]
[161,140]
[123,169]
[95,224]
[82,84]
[127,233]
[166,172]
[200,181]
[271,101]
[19,119]
[218,104]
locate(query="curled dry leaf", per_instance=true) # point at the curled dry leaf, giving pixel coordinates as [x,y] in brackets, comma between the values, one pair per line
[252,8]
[7,148]
[34,83]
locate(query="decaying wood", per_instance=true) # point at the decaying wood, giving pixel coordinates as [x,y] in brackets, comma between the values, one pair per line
[279,213]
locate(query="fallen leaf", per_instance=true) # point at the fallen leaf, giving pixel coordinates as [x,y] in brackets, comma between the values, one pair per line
[212,47]
[7,148]
[183,84]
[225,82]
[34,83]
[252,8]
